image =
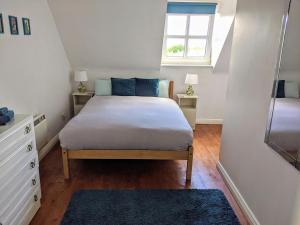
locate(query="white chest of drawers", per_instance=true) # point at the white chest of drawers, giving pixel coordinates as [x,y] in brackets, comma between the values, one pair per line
[20,190]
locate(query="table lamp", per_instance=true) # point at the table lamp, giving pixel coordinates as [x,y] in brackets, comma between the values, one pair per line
[81,76]
[190,80]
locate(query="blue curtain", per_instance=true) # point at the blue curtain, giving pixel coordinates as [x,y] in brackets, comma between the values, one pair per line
[191,8]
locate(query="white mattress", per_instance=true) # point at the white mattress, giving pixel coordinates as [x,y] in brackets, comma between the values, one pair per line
[131,122]
[285,128]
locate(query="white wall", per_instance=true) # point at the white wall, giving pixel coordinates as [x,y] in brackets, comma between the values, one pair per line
[291,51]
[290,66]
[211,88]
[108,39]
[296,215]
[34,70]
[267,182]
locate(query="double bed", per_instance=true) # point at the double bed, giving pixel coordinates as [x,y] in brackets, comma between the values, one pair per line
[128,127]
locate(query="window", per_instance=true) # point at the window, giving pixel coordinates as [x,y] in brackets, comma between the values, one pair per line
[188,32]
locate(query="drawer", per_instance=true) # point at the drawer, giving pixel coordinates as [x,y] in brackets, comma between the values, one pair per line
[24,211]
[26,144]
[17,161]
[10,150]
[13,200]
[30,210]
[14,140]
[13,185]
[16,178]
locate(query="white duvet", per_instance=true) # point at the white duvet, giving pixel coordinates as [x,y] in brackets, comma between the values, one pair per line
[130,122]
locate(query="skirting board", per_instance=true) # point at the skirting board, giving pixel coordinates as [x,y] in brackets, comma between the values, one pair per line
[44,151]
[209,121]
[238,196]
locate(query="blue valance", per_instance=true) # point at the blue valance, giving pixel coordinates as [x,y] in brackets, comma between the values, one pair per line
[191,8]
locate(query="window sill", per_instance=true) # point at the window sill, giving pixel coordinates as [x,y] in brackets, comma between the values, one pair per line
[186,65]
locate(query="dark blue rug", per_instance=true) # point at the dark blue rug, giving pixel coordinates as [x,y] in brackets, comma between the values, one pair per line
[155,207]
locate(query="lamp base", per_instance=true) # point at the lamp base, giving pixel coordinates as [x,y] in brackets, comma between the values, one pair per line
[81,88]
[189,91]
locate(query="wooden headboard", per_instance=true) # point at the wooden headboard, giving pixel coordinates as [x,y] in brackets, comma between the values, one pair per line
[171,89]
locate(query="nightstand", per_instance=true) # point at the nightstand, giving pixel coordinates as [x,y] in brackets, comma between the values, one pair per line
[80,99]
[188,105]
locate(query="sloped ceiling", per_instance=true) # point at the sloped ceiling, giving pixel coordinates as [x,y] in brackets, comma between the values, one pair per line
[111,33]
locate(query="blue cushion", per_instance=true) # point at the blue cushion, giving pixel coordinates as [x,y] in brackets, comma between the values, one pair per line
[103,87]
[6,115]
[147,87]
[280,89]
[3,110]
[164,88]
[123,87]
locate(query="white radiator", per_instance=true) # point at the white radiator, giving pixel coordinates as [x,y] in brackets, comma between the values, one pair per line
[41,131]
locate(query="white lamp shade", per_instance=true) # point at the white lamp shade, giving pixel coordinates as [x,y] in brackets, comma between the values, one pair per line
[191,79]
[80,76]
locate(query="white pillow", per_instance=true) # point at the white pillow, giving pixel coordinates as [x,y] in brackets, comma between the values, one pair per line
[163,88]
[291,89]
[103,87]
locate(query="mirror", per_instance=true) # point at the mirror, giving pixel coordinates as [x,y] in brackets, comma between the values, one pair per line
[283,133]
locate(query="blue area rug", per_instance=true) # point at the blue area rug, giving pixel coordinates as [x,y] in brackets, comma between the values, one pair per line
[155,207]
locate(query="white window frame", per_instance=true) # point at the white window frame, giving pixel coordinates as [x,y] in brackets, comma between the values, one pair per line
[185,59]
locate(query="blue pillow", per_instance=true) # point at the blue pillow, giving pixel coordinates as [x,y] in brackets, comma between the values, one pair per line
[280,89]
[147,87]
[103,87]
[123,87]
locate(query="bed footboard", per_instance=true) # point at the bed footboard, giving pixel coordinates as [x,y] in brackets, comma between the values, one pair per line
[128,154]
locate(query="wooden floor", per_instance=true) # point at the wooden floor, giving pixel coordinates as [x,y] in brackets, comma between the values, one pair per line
[130,174]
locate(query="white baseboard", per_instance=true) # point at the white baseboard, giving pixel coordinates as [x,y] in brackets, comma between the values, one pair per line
[46,149]
[209,121]
[238,196]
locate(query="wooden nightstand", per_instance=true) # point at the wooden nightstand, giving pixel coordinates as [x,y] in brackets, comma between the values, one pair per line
[188,105]
[80,99]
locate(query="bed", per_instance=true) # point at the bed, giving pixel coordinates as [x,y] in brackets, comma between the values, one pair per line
[285,128]
[128,127]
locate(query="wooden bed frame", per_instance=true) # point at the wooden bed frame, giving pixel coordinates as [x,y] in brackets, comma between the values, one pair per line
[185,154]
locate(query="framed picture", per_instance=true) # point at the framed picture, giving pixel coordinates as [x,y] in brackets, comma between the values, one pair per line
[13,23]
[26,26]
[1,24]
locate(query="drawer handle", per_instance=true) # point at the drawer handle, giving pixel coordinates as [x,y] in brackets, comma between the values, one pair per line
[33,181]
[36,198]
[29,147]
[32,164]
[27,129]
